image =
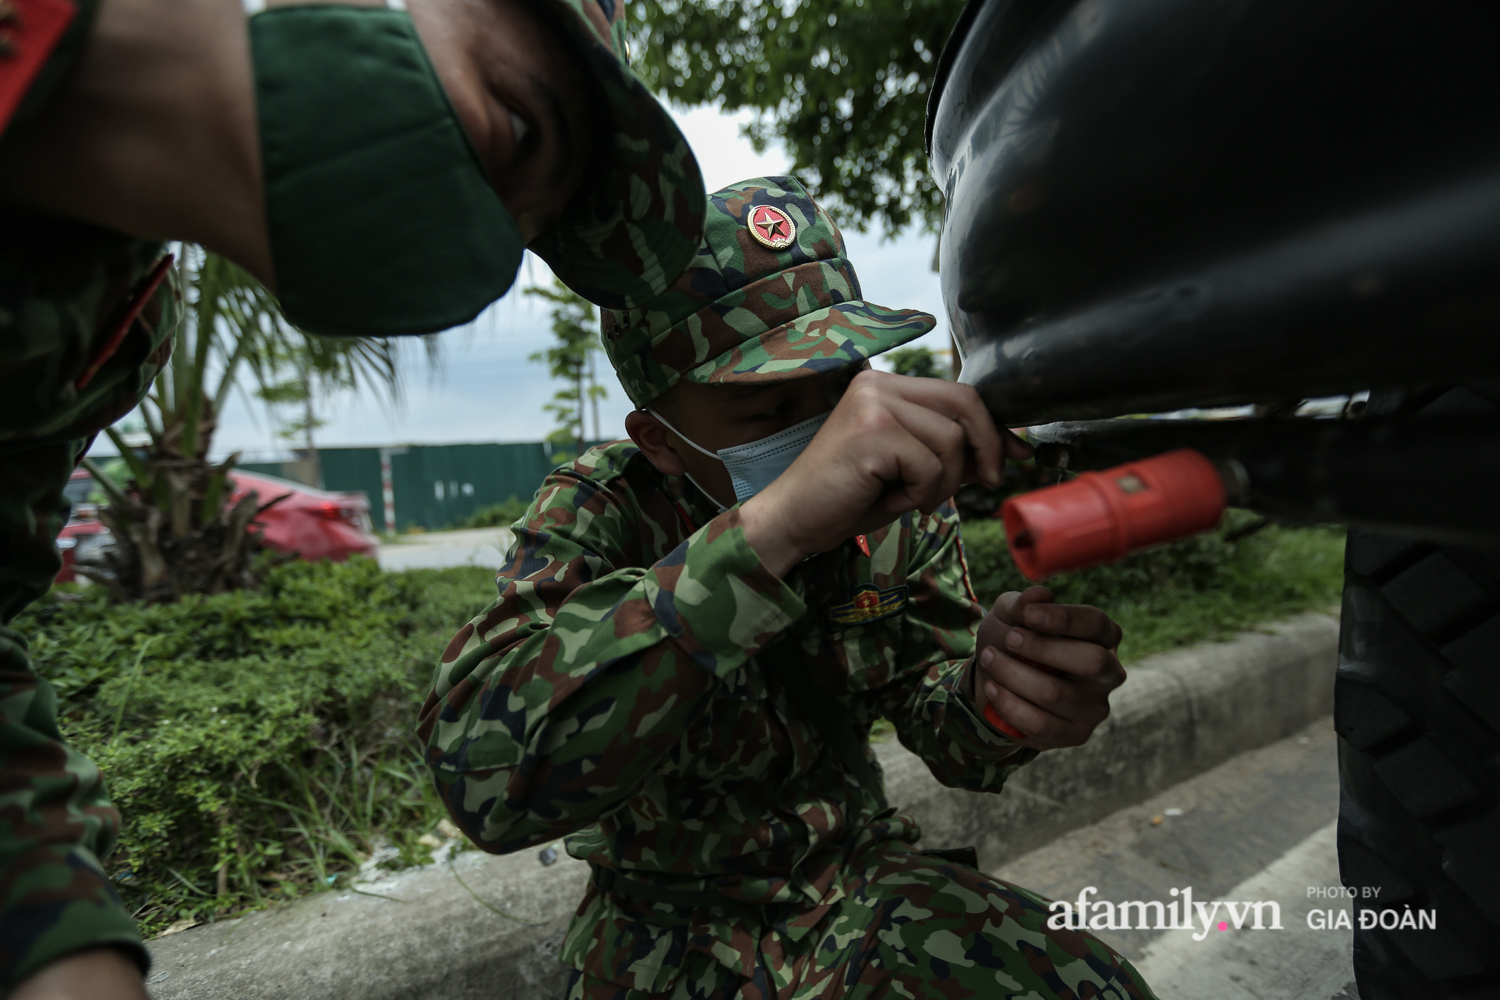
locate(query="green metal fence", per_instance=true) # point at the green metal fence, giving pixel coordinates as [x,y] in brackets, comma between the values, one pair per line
[436,486]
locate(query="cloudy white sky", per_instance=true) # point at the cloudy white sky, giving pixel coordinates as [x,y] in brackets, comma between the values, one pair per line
[485,389]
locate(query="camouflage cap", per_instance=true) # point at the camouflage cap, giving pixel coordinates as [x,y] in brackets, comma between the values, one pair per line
[770,296]
[637,220]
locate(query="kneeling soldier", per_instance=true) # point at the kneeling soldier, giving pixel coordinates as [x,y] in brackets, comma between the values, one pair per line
[697,628]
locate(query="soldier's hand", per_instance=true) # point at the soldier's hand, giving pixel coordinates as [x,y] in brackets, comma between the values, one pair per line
[892,444]
[95,974]
[1062,693]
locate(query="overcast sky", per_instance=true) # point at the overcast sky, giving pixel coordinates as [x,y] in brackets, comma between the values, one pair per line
[485,389]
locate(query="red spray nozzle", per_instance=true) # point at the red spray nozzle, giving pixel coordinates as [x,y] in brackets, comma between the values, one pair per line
[1000,724]
[1102,516]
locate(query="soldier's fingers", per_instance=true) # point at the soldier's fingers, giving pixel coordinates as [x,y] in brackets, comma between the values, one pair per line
[1011,446]
[1010,606]
[961,404]
[1015,447]
[1076,621]
[946,440]
[1049,692]
[911,470]
[1086,661]
[1058,694]
[1044,731]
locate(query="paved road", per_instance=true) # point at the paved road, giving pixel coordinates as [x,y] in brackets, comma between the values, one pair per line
[1259,828]
[440,549]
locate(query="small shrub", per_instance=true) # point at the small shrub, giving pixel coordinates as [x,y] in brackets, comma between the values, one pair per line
[496,515]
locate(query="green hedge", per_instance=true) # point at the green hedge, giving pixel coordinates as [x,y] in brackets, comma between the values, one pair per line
[259,744]
[496,515]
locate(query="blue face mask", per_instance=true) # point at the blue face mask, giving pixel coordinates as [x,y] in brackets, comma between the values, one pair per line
[753,466]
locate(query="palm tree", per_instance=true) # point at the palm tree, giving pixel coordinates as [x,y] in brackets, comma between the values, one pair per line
[175,533]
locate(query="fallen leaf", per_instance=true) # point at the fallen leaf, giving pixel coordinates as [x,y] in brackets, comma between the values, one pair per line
[181,925]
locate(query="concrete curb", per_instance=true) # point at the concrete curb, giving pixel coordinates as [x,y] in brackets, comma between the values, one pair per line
[490,927]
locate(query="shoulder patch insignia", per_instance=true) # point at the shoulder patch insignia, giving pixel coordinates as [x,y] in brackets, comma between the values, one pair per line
[868,604]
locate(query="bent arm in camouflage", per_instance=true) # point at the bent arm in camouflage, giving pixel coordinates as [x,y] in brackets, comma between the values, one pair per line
[555,704]
[933,713]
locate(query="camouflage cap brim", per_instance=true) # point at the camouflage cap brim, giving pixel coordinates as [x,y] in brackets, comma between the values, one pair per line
[770,296]
[821,341]
[636,223]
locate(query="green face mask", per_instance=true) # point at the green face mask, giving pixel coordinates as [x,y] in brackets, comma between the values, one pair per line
[382,219]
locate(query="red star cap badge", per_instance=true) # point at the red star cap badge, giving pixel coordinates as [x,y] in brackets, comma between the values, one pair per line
[771,227]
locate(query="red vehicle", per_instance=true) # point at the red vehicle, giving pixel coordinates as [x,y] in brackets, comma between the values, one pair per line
[315,524]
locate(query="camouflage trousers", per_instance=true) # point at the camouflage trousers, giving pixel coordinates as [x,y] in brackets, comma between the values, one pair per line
[917,926]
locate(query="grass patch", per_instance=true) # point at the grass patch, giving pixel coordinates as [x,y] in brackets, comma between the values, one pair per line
[1198,589]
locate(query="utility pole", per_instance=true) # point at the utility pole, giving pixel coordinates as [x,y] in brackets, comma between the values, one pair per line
[582,430]
[594,396]
[315,467]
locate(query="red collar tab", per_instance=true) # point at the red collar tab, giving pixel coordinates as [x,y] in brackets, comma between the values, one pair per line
[29,31]
[129,310]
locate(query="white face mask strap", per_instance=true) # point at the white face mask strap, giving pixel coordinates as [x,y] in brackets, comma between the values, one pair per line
[668,426]
[253,7]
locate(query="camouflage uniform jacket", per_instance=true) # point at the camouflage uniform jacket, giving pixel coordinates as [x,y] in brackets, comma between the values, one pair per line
[627,690]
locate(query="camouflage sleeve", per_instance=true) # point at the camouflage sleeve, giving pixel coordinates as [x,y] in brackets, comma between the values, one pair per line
[930,704]
[555,704]
[56,822]
[63,377]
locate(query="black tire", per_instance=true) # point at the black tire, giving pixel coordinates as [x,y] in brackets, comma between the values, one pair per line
[1417,709]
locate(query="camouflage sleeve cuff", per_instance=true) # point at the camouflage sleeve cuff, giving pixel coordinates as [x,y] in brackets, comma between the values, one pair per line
[714,596]
[60,904]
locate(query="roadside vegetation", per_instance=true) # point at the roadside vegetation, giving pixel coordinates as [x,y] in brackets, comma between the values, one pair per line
[260,742]
[496,515]
[1196,590]
[176,528]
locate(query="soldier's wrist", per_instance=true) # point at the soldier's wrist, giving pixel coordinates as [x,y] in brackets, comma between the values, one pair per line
[104,973]
[767,536]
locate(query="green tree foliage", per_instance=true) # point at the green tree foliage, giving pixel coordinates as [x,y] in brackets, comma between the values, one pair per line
[571,359]
[918,362]
[298,371]
[175,533]
[842,83]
